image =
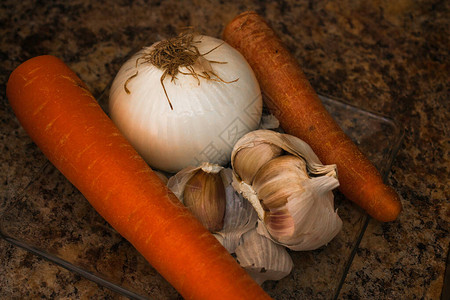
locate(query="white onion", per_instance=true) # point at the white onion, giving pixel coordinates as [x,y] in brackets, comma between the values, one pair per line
[207,118]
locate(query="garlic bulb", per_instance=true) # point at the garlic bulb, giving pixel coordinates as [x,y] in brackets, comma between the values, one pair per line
[291,191]
[190,106]
[260,256]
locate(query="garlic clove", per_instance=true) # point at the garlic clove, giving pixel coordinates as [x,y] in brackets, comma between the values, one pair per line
[204,195]
[247,161]
[263,259]
[276,180]
[316,222]
[240,216]
[177,182]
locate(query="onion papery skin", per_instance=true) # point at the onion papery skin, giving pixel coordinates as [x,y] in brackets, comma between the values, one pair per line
[207,118]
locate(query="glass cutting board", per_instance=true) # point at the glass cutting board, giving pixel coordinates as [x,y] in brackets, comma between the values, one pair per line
[52,219]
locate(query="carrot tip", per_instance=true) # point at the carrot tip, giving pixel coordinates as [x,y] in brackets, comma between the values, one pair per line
[387,205]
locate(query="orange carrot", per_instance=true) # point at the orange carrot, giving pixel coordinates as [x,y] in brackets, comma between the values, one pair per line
[62,117]
[300,112]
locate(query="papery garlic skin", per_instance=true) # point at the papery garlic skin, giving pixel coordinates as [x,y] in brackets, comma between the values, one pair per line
[207,118]
[291,193]
[177,182]
[240,216]
[263,259]
[310,215]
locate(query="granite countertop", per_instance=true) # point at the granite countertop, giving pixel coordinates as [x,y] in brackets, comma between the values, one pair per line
[389,57]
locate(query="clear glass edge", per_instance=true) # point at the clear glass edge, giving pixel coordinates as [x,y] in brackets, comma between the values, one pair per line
[398,140]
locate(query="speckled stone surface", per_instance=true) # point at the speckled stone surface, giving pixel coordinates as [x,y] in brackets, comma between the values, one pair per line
[390,57]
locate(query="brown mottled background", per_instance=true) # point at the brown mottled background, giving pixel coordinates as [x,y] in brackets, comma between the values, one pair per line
[391,57]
